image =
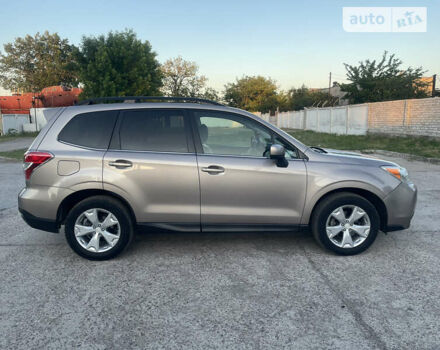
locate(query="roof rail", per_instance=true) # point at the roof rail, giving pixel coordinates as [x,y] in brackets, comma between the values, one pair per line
[139,99]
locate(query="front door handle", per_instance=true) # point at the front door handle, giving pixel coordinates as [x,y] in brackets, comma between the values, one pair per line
[121,164]
[214,169]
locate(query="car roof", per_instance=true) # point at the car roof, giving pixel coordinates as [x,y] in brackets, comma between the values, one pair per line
[160,105]
[156,105]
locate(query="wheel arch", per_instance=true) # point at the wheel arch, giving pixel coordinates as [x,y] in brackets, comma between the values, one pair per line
[71,200]
[368,195]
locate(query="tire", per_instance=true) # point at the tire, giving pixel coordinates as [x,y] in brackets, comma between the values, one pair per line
[328,215]
[86,228]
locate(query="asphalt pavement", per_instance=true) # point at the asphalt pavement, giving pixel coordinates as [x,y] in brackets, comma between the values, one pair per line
[222,290]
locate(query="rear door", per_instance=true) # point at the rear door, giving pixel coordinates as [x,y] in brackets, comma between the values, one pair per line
[152,163]
[240,186]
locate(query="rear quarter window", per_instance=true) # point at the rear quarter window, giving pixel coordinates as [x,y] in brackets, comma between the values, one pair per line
[92,130]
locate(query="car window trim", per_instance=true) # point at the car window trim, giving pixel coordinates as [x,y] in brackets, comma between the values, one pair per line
[150,152]
[247,157]
[198,141]
[83,147]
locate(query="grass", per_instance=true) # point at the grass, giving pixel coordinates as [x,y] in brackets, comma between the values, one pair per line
[10,137]
[420,146]
[15,154]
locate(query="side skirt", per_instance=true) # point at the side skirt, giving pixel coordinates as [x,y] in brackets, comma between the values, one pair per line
[196,227]
[250,228]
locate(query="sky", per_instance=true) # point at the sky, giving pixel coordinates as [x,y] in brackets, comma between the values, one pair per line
[293,42]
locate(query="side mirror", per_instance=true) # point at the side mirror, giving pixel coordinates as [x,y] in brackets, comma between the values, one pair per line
[278,153]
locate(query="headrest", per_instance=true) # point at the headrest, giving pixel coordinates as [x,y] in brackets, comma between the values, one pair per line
[203,130]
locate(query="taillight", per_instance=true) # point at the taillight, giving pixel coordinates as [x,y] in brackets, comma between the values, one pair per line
[33,160]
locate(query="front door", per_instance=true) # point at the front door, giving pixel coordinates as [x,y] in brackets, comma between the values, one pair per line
[152,164]
[240,186]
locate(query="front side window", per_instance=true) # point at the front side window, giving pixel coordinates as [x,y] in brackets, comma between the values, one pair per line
[153,130]
[92,130]
[230,134]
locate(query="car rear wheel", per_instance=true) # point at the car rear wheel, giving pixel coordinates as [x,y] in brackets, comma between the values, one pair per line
[99,228]
[345,223]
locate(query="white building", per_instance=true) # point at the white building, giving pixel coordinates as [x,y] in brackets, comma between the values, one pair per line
[4,92]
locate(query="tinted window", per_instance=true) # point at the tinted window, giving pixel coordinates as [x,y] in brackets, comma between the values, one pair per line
[230,134]
[153,130]
[90,129]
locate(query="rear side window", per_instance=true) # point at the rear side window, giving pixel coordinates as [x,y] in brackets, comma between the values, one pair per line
[153,130]
[92,130]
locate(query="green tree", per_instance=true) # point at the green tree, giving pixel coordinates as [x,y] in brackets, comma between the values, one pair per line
[181,78]
[303,97]
[210,94]
[34,62]
[255,94]
[118,64]
[383,80]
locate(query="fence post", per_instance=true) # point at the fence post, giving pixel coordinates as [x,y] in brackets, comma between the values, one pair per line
[404,113]
[331,119]
[304,119]
[347,118]
[317,120]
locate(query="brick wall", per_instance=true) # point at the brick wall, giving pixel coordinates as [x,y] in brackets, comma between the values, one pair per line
[405,117]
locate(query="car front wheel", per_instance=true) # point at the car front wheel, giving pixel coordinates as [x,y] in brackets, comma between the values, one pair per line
[345,223]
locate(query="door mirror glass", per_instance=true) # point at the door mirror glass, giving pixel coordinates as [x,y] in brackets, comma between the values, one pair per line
[278,153]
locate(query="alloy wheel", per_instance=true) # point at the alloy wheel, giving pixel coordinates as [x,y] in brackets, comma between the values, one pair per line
[97,230]
[348,226]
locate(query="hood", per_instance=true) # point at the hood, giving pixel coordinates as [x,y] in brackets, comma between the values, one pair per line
[340,156]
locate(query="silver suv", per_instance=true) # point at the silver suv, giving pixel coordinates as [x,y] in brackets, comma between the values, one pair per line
[104,170]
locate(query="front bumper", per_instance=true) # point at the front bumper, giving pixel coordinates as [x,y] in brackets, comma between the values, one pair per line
[400,204]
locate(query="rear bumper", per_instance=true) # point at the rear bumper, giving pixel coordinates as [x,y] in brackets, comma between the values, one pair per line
[400,204]
[39,205]
[39,223]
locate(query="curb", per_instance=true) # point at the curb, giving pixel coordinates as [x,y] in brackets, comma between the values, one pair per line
[406,156]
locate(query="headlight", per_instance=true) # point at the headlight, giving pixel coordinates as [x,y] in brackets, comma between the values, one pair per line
[397,171]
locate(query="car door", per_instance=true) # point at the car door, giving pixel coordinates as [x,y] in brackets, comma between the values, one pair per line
[151,163]
[240,186]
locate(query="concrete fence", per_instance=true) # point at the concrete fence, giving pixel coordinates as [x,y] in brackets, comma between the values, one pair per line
[34,121]
[349,120]
[420,117]
[13,122]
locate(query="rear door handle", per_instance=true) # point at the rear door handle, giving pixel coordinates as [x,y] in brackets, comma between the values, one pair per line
[214,169]
[121,163]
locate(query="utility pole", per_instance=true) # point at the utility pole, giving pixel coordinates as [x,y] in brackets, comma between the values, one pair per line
[329,82]
[434,78]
